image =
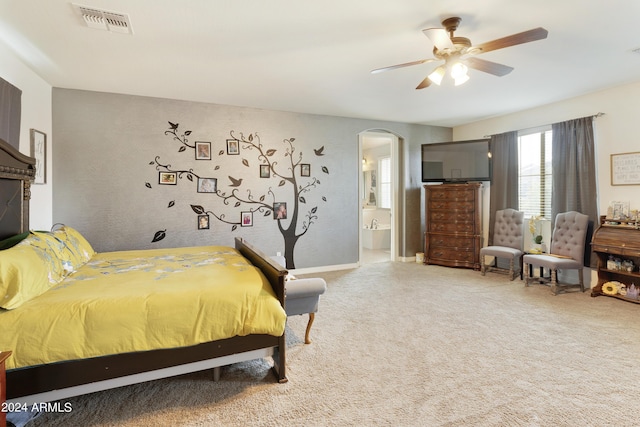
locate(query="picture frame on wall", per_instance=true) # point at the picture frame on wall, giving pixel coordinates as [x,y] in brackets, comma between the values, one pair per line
[305,169]
[207,185]
[203,150]
[203,222]
[265,172]
[246,219]
[167,178]
[233,147]
[39,152]
[280,210]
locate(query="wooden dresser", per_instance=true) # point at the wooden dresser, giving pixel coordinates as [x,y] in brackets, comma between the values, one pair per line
[617,240]
[453,223]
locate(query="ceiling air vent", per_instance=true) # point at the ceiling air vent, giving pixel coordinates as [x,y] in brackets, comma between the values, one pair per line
[104,20]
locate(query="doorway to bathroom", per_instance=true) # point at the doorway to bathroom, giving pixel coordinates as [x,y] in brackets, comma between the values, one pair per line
[378,204]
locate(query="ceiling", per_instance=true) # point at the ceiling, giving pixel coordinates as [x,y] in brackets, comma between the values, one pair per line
[316,56]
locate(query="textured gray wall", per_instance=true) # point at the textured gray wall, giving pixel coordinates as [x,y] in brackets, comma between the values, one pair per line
[106,142]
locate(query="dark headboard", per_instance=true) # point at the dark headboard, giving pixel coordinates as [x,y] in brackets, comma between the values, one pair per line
[16,174]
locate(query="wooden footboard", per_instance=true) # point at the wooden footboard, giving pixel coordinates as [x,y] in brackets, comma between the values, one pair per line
[65,379]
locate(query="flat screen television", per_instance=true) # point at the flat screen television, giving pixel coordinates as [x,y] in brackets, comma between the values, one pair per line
[456,161]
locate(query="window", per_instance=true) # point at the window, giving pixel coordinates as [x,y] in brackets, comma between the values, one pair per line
[384,181]
[534,172]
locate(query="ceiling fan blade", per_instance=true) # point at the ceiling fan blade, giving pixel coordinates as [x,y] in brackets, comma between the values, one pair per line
[488,66]
[512,40]
[439,37]
[406,64]
[425,83]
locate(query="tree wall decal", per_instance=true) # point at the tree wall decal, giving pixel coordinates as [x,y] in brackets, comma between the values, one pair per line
[292,187]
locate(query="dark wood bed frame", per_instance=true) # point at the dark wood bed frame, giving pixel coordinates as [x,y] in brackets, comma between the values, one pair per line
[65,379]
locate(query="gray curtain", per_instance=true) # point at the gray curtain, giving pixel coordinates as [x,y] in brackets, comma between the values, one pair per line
[504,176]
[10,111]
[574,174]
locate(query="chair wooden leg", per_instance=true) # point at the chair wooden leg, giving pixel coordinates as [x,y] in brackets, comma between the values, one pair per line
[483,266]
[312,317]
[554,281]
[581,278]
[527,274]
[512,271]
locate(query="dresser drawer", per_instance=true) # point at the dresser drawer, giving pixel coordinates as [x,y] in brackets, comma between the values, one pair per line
[448,216]
[452,227]
[452,194]
[449,254]
[450,205]
[447,241]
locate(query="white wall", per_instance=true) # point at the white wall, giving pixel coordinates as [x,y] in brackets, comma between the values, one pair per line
[36,114]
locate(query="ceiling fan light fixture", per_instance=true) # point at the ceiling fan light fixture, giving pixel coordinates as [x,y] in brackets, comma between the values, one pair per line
[460,80]
[437,75]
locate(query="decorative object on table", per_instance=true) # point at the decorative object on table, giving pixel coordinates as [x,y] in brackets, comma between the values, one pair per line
[618,210]
[610,288]
[535,228]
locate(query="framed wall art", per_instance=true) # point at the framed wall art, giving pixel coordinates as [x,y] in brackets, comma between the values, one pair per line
[39,152]
[207,185]
[265,172]
[167,178]
[625,169]
[203,222]
[246,219]
[233,147]
[305,169]
[203,150]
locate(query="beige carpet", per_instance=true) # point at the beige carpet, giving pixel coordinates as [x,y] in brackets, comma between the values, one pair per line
[402,344]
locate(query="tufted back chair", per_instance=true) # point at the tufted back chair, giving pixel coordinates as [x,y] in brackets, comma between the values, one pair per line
[569,233]
[508,228]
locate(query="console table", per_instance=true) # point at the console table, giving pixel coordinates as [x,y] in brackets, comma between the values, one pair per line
[619,239]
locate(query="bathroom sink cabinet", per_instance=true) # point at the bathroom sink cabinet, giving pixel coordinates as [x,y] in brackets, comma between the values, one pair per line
[453,225]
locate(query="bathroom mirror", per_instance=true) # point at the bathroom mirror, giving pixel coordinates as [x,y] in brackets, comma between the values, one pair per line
[369,190]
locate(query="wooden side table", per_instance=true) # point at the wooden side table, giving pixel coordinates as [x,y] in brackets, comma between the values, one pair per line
[4,355]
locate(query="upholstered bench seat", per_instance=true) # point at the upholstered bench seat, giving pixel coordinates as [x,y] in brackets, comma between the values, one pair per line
[302,296]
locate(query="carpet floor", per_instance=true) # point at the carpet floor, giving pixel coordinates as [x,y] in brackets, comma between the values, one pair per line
[402,344]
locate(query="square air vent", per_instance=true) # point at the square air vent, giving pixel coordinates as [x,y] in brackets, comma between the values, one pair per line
[104,20]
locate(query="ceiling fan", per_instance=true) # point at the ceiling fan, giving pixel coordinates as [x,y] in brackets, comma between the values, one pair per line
[459,54]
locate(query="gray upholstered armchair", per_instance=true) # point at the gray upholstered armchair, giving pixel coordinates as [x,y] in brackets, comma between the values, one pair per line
[566,251]
[507,242]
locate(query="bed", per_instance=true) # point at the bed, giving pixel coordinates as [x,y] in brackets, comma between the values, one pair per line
[47,378]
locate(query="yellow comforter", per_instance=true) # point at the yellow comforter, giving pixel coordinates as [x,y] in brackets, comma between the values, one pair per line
[142,300]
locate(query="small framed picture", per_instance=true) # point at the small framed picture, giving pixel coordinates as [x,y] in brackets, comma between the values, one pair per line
[203,150]
[280,210]
[203,222]
[265,172]
[305,169]
[207,185]
[167,178]
[233,147]
[39,152]
[246,219]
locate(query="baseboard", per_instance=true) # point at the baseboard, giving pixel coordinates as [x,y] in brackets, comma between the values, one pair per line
[324,268]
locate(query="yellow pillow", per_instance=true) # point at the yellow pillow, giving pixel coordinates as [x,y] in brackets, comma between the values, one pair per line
[56,249]
[81,250]
[26,271]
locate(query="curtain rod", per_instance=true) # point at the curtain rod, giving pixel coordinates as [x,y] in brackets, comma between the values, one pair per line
[595,116]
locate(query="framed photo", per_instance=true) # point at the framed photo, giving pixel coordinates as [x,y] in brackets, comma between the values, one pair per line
[233,146]
[39,152]
[305,169]
[203,222]
[203,150]
[167,178]
[280,210]
[265,172]
[207,185]
[246,219]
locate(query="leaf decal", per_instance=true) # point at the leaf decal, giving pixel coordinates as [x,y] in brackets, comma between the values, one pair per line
[190,177]
[281,183]
[302,200]
[236,205]
[292,139]
[245,162]
[262,198]
[314,210]
[187,133]
[271,152]
[146,184]
[324,198]
[152,163]
[220,153]
[159,236]
[325,170]
[267,213]
[171,204]
[250,137]
[197,209]
[234,227]
[216,168]
[181,149]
